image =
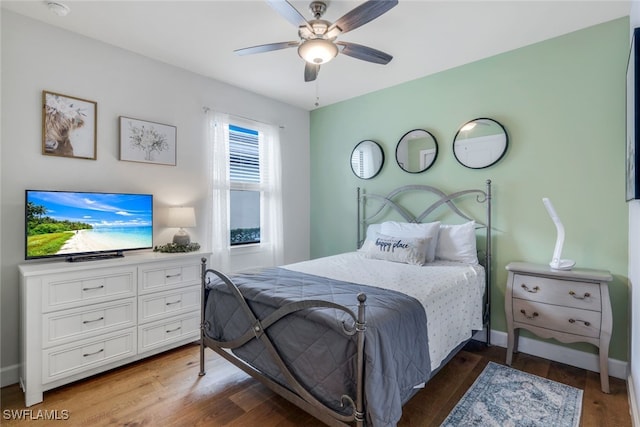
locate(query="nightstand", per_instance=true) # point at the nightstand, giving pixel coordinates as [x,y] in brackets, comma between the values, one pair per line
[570,306]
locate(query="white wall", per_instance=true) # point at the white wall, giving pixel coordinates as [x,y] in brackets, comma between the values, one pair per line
[634,279]
[37,57]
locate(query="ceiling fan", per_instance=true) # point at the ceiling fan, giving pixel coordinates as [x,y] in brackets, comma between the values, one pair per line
[317,44]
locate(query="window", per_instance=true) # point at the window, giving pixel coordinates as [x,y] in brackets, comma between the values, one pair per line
[244,186]
[246,193]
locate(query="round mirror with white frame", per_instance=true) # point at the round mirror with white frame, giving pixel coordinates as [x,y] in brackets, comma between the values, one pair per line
[416,151]
[480,143]
[367,159]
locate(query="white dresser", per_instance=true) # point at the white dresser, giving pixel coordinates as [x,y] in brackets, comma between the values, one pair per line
[78,319]
[570,306]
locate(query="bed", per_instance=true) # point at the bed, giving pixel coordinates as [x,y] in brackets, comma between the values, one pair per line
[350,338]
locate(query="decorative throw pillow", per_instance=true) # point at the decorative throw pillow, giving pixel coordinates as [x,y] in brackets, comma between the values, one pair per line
[458,243]
[408,229]
[397,249]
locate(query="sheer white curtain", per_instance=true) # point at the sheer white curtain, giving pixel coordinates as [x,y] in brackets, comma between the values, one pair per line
[271,239]
[218,136]
[270,250]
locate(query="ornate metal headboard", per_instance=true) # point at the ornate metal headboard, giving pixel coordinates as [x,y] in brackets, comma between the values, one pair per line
[450,201]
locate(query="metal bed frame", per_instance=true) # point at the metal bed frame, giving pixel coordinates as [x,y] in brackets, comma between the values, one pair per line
[293,391]
[390,201]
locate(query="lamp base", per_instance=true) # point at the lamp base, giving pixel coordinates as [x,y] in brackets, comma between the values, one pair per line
[181,238]
[563,264]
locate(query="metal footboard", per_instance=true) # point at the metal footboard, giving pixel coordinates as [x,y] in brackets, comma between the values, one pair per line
[294,392]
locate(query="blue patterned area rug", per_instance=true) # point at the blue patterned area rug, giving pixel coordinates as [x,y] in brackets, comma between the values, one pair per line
[502,396]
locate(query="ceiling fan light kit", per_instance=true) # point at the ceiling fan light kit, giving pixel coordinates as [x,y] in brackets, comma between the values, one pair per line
[317,51]
[317,43]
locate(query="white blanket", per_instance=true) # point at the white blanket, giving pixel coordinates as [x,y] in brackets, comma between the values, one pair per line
[451,292]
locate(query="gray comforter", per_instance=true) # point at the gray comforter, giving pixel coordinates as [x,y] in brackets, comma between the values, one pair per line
[313,346]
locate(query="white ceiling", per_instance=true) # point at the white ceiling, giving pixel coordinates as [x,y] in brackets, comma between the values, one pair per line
[424,36]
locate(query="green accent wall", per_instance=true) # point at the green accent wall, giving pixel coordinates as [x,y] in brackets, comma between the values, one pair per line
[562,102]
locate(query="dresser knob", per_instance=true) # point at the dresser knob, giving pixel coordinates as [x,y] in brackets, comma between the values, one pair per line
[533,291]
[578,320]
[533,316]
[573,294]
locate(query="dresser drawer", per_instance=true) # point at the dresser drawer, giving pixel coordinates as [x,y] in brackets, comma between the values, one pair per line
[80,289]
[63,361]
[583,295]
[172,330]
[170,303]
[64,326]
[563,319]
[153,278]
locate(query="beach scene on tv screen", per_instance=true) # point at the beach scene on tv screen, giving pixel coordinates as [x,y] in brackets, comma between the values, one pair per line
[65,223]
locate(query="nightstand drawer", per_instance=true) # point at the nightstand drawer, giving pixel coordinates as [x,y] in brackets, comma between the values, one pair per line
[567,293]
[563,319]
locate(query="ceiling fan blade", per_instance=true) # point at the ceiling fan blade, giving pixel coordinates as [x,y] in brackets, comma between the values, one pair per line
[362,14]
[290,13]
[364,53]
[311,71]
[265,48]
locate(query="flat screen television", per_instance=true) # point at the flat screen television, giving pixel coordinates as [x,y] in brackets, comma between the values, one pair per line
[82,225]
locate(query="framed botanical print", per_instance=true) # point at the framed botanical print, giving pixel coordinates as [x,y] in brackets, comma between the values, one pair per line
[68,126]
[147,142]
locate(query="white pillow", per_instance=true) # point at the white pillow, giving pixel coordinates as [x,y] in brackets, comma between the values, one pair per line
[415,230]
[372,229]
[408,250]
[458,243]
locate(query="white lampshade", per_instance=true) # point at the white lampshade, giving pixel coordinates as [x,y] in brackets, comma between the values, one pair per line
[317,51]
[181,217]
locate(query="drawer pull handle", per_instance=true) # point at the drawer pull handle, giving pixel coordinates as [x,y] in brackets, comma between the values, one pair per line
[169,276]
[533,316]
[578,320]
[174,302]
[173,330]
[573,294]
[94,320]
[94,288]
[533,291]
[91,354]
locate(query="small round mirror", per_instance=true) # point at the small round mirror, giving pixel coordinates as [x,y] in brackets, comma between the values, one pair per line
[480,143]
[367,159]
[416,151]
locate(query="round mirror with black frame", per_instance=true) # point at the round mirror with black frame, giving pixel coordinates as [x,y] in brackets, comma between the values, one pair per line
[416,151]
[480,143]
[367,159]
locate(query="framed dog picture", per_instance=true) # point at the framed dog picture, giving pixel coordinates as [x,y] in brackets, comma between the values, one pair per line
[68,126]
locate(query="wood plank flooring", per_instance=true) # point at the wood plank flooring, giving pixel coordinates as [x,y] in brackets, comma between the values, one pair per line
[166,390]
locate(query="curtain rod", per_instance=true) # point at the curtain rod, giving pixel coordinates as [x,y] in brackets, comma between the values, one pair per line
[207,109]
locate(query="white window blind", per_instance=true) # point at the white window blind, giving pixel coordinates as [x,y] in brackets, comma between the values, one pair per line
[244,155]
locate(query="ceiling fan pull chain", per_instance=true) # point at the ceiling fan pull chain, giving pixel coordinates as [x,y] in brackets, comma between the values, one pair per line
[317,104]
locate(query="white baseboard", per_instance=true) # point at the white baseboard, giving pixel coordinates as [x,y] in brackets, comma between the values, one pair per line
[633,406]
[558,353]
[9,375]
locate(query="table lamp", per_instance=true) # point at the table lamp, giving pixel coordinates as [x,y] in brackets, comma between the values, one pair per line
[557,263]
[181,217]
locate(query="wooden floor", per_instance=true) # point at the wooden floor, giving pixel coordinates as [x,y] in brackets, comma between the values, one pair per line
[166,391]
